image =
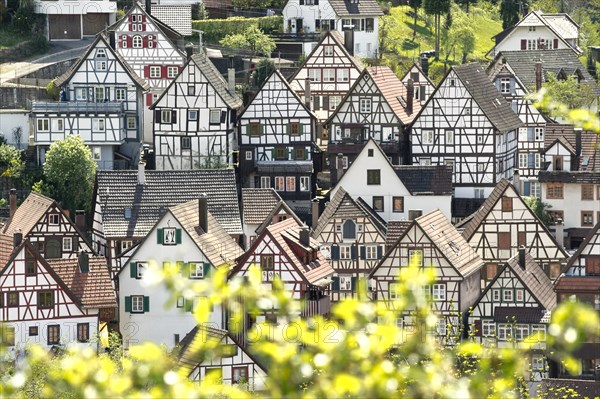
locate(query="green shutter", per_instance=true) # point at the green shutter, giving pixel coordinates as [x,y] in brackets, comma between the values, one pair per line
[289,128]
[305,154]
[301,129]
[146,304]
[379,251]
[336,283]
[363,251]
[206,271]
[133,270]
[262,129]
[188,305]
[177,236]
[183,269]
[353,284]
[273,154]
[128,304]
[159,236]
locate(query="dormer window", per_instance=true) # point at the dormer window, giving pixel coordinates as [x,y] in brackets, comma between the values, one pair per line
[101,53]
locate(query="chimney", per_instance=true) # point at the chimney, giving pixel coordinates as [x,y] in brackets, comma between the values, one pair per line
[13,201]
[425,65]
[80,220]
[315,211]
[231,80]
[17,238]
[203,212]
[149,7]
[305,236]
[410,94]
[517,181]
[307,93]
[111,40]
[84,262]
[538,76]
[349,40]
[141,173]
[189,50]
[578,141]
[559,232]
[339,167]
[522,256]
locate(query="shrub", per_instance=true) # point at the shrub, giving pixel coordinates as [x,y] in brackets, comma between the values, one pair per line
[216,29]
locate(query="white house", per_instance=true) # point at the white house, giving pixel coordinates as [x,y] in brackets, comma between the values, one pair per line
[15,127]
[189,237]
[358,20]
[539,31]
[396,192]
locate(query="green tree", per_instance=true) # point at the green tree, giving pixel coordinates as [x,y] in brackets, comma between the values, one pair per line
[569,91]
[69,173]
[11,164]
[264,69]
[437,8]
[249,4]
[415,5]
[466,3]
[511,12]
[254,40]
[540,209]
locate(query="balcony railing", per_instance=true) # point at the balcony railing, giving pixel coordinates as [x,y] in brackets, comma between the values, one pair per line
[77,107]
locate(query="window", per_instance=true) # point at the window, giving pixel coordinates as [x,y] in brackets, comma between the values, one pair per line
[131,122]
[480,167]
[539,331]
[33,331]
[186,143]
[334,102]
[314,75]
[83,332]
[67,244]
[504,240]
[30,265]
[248,155]
[394,291]
[294,129]
[539,134]
[449,137]
[398,204]
[137,41]
[488,328]
[373,176]
[587,218]
[215,116]
[345,251]
[328,75]
[587,192]
[58,125]
[343,75]
[365,105]
[172,71]
[328,51]
[81,94]
[290,183]
[192,115]
[519,295]
[505,85]
[496,295]
[169,236]
[120,94]
[538,363]
[98,125]
[267,262]
[137,304]
[378,204]
[239,375]
[556,215]
[254,129]
[43,125]
[427,137]
[155,72]
[12,299]
[196,269]
[53,219]
[304,183]
[439,292]
[507,204]
[191,90]
[523,161]
[99,94]
[101,65]
[140,269]
[504,332]
[53,334]
[415,256]
[554,191]
[345,283]
[279,183]
[165,116]
[521,332]
[96,153]
[535,189]
[507,295]
[371,252]
[125,245]
[557,161]
[349,230]
[265,182]
[554,270]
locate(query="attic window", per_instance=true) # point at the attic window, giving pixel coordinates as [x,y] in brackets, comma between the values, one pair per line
[127,213]
[401,101]
[101,53]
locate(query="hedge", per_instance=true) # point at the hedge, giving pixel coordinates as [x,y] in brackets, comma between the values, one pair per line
[216,29]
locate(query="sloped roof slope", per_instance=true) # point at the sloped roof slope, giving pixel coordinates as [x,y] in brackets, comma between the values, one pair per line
[345,8]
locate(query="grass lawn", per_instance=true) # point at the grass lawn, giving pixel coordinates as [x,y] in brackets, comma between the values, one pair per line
[9,38]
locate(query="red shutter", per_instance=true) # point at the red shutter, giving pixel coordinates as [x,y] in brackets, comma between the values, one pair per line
[129,18]
[555,43]
[146,71]
[163,72]
[129,41]
[477,328]
[143,27]
[130,27]
[523,44]
[143,18]
[148,99]
[145,41]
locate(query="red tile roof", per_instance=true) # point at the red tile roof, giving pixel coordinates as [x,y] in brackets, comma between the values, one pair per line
[392,89]
[28,214]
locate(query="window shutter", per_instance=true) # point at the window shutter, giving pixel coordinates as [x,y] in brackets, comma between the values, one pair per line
[188,305]
[305,152]
[363,251]
[174,116]
[422,93]
[301,2]
[523,44]
[163,71]
[289,128]
[477,328]
[301,128]
[555,43]
[273,154]
[223,116]
[353,252]
[316,2]
[146,303]
[335,252]
[526,188]
[512,85]
[325,103]
[157,117]
[146,71]
[159,232]
[353,284]
[177,236]
[128,304]
[133,270]
[145,42]
[129,42]
[336,283]
[530,134]
[206,270]
[183,269]
[149,101]
[379,252]
[530,160]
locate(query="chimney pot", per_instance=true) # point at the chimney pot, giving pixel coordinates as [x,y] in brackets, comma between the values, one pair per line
[80,220]
[559,232]
[349,41]
[410,94]
[141,173]
[203,212]
[517,181]
[578,133]
[149,7]
[189,50]
[315,203]
[305,236]
[522,256]
[425,65]
[13,201]
[17,238]
[84,262]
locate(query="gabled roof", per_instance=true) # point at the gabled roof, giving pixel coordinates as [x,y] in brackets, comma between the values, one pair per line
[28,214]
[65,77]
[534,279]
[343,206]
[166,29]
[523,63]
[589,159]
[478,217]
[217,245]
[118,190]
[281,207]
[345,8]
[395,230]
[419,69]
[426,179]
[94,288]
[491,102]
[258,203]
[562,141]
[593,238]
[177,17]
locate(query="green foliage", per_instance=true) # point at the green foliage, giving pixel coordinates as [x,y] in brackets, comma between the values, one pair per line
[252,39]
[217,29]
[11,164]
[53,90]
[249,4]
[510,11]
[24,17]
[69,173]
[264,69]
[569,91]
[580,117]
[540,209]
[199,11]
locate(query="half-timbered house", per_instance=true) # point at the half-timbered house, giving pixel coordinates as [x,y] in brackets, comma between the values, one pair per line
[188,236]
[60,302]
[352,236]
[331,70]
[395,192]
[277,143]
[469,126]
[101,101]
[357,20]
[502,225]
[127,204]
[377,107]
[423,86]
[47,227]
[229,361]
[570,180]
[194,119]
[286,251]
[432,243]
[514,309]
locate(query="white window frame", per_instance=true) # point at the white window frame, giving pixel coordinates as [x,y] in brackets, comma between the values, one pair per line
[137,41]
[535,189]
[265,181]
[438,292]
[366,105]
[54,219]
[98,125]
[131,123]
[279,183]
[81,94]
[521,332]
[370,251]
[538,363]
[96,153]
[541,329]
[99,94]
[412,253]
[505,85]
[141,269]
[314,75]
[393,291]
[125,245]
[196,270]
[519,292]
[523,160]
[334,102]
[155,72]
[328,75]
[450,136]
[504,331]
[427,137]
[496,295]
[58,124]
[290,183]
[304,183]
[214,116]
[101,65]
[328,51]
[67,244]
[345,252]
[137,304]
[120,94]
[165,116]
[538,134]
[479,193]
[186,143]
[507,295]
[343,75]
[345,283]
[192,114]
[488,328]
[172,72]
[43,124]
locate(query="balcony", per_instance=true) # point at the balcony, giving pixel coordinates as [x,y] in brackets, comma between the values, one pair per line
[354,146]
[71,107]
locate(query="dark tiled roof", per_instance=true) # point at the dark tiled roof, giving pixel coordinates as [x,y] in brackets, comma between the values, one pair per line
[217,245]
[216,79]
[589,159]
[345,8]
[523,64]
[94,289]
[176,16]
[482,212]
[426,179]
[278,209]
[119,190]
[574,284]
[391,89]
[569,177]
[28,214]
[395,229]
[258,203]
[491,102]
[519,314]
[534,278]
[555,388]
